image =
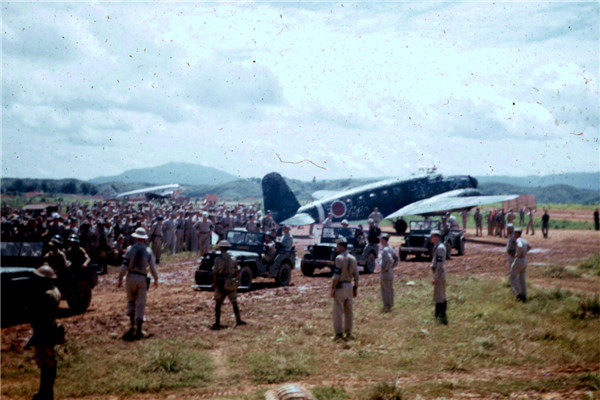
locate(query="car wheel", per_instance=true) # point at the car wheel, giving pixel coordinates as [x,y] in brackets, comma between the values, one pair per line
[400,226]
[370,264]
[284,275]
[403,256]
[307,269]
[448,246]
[80,297]
[461,247]
[246,278]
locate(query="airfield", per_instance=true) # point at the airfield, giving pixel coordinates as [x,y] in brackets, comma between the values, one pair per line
[493,347]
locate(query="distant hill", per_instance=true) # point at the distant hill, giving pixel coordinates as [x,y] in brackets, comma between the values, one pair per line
[182,173]
[555,194]
[580,180]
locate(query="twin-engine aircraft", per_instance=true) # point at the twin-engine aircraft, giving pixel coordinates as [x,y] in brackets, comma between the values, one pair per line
[428,194]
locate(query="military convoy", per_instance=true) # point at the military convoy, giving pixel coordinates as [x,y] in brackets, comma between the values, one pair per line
[322,255]
[20,259]
[417,240]
[248,247]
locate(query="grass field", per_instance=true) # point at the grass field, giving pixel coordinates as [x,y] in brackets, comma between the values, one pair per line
[493,345]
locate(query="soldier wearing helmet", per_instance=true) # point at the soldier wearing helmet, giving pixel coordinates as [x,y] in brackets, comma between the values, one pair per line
[46,334]
[439,276]
[76,255]
[225,280]
[55,257]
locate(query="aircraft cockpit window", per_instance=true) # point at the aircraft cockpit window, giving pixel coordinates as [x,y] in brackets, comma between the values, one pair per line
[372,195]
[348,200]
[397,191]
[385,192]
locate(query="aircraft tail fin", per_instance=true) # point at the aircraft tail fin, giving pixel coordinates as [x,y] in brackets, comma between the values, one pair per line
[278,197]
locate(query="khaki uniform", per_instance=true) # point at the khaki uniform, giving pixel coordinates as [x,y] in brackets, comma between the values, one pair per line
[169,229]
[344,272]
[156,238]
[389,260]
[439,273]
[511,249]
[226,269]
[43,322]
[136,262]
[518,267]
[204,234]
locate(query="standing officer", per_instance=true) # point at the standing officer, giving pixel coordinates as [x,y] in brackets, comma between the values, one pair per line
[545,223]
[596,220]
[511,245]
[439,277]
[530,222]
[478,225]
[156,238]
[342,290]
[389,260]
[46,334]
[376,216]
[519,265]
[138,258]
[465,215]
[169,228]
[76,255]
[225,282]
[204,227]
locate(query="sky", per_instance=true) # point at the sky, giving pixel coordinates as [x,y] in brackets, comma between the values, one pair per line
[308,89]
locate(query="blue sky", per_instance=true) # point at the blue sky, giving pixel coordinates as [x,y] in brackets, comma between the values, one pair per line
[369,89]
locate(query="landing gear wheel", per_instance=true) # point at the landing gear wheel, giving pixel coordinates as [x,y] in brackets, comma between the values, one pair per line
[246,278]
[461,247]
[284,275]
[403,256]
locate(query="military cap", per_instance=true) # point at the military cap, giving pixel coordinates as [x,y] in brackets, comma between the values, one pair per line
[436,232]
[385,236]
[518,230]
[56,240]
[345,221]
[45,271]
[160,218]
[371,221]
[342,240]
[224,243]
[510,226]
[73,238]
[205,214]
[55,215]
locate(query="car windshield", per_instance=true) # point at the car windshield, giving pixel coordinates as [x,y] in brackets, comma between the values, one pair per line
[22,249]
[245,238]
[424,225]
[335,233]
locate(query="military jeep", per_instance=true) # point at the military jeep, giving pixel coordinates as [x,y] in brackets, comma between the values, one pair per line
[20,259]
[323,254]
[247,248]
[417,241]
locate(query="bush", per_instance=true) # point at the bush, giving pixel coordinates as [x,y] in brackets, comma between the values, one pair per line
[385,391]
[329,393]
[278,368]
[588,307]
[591,264]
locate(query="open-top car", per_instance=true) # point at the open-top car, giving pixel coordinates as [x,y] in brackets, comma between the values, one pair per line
[323,254]
[248,248]
[20,259]
[417,241]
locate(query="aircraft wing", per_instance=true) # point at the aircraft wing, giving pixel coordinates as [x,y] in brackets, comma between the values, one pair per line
[299,219]
[443,202]
[321,194]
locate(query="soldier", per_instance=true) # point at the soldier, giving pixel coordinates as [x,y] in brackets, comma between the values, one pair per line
[522,216]
[519,265]
[225,278]
[491,218]
[287,240]
[327,221]
[596,220]
[169,230]
[76,255]
[439,277]
[46,334]
[530,222]
[179,233]
[188,231]
[251,225]
[269,254]
[478,225]
[376,216]
[511,245]
[136,262]
[156,238]
[55,257]
[452,222]
[204,227]
[267,222]
[389,260]
[545,223]
[510,217]
[343,291]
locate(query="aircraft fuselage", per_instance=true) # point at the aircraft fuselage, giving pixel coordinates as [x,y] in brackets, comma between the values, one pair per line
[388,196]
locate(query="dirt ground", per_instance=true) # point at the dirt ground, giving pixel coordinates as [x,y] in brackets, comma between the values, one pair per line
[171,305]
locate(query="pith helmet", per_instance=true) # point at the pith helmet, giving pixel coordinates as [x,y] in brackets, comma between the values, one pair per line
[436,232]
[45,271]
[341,240]
[344,222]
[224,243]
[140,233]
